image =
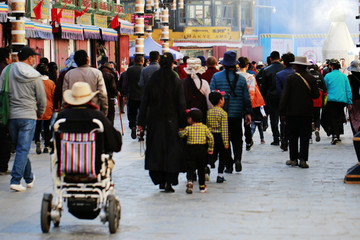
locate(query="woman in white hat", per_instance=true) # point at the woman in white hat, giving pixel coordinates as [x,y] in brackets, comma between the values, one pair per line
[196,89]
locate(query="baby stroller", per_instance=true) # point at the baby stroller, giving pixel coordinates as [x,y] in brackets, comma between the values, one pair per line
[81,175]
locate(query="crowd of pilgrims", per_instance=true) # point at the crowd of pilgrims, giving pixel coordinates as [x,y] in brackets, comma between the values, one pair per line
[192,111]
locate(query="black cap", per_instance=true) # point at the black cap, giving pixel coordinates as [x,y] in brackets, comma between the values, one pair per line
[26,52]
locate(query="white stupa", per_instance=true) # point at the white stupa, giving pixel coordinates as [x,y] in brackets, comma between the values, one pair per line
[338,43]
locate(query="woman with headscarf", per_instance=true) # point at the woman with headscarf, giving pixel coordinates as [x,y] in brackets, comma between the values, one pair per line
[162,112]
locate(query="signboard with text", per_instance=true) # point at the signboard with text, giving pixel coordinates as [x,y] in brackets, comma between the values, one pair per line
[148,19]
[100,21]
[211,33]
[85,19]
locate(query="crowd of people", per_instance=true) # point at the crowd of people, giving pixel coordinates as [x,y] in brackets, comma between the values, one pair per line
[193,113]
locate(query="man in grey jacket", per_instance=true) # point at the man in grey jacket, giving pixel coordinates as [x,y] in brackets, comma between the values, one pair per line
[27,102]
[90,75]
[147,72]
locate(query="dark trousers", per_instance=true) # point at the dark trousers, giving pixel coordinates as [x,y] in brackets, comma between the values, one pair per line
[273,108]
[132,111]
[336,117]
[196,158]
[299,128]
[219,149]
[316,117]
[283,133]
[47,133]
[247,133]
[5,148]
[111,110]
[235,132]
[259,125]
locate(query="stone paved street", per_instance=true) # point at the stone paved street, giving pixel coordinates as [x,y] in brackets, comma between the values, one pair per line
[267,200]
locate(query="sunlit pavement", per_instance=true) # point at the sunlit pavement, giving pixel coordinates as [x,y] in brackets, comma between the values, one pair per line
[267,200]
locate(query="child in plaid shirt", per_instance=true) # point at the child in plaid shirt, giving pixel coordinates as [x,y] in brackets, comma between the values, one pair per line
[217,122]
[200,142]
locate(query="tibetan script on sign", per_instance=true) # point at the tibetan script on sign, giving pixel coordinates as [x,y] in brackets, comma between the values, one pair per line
[212,33]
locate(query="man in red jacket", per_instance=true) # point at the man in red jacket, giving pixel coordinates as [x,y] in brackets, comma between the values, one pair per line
[180,69]
[211,69]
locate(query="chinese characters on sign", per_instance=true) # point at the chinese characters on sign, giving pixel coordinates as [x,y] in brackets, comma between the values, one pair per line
[213,33]
[148,19]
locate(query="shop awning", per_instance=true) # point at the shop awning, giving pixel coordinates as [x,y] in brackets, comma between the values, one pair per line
[72,31]
[109,34]
[91,32]
[3,12]
[38,30]
[126,27]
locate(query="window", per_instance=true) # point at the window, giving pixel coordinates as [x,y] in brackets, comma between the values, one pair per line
[196,13]
[226,14]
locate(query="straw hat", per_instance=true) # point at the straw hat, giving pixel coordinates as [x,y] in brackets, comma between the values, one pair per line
[301,60]
[79,94]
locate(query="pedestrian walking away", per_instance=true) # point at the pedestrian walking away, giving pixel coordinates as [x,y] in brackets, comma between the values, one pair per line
[5,139]
[93,76]
[217,122]
[134,92]
[339,96]
[199,143]
[27,103]
[162,112]
[237,104]
[297,107]
[271,95]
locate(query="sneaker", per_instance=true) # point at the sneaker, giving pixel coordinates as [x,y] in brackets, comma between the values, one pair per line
[46,150]
[334,141]
[317,136]
[17,187]
[31,184]
[220,179]
[249,145]
[38,148]
[238,166]
[293,163]
[133,133]
[189,188]
[275,143]
[303,164]
[203,189]
[262,141]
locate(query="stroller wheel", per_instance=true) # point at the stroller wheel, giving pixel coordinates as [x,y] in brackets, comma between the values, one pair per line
[45,216]
[114,211]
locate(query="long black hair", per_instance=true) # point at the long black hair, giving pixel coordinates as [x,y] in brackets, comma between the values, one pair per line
[162,83]
[233,84]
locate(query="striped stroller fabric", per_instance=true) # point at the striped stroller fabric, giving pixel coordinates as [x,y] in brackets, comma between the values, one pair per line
[77,153]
